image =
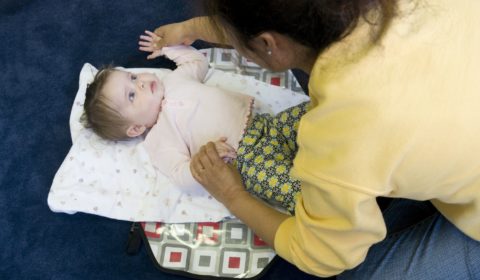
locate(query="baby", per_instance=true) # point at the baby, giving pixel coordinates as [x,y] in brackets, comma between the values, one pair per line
[179,113]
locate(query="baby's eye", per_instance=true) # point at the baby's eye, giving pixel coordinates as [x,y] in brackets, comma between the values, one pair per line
[133,77]
[131,96]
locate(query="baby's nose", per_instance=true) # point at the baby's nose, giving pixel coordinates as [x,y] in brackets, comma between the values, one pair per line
[141,84]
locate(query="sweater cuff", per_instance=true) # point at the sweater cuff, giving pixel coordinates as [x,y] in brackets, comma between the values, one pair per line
[283,237]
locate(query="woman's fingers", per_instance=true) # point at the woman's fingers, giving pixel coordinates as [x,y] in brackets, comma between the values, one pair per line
[207,156]
[221,180]
[197,167]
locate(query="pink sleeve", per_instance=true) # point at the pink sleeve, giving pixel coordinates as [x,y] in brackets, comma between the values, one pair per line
[170,154]
[190,62]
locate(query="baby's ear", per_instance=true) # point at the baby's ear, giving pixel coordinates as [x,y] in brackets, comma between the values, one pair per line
[135,130]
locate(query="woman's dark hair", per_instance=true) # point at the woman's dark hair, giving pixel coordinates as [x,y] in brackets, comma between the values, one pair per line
[313,23]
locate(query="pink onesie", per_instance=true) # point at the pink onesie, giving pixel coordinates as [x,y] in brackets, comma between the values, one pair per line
[192,114]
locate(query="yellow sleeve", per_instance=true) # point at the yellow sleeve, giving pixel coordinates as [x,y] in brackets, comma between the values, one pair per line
[342,167]
[331,231]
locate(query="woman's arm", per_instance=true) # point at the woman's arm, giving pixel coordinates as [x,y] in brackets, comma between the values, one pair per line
[330,233]
[224,183]
[187,32]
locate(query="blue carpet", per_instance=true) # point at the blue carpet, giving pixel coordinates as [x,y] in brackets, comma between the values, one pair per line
[43,45]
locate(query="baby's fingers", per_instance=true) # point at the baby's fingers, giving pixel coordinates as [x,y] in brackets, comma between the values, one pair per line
[223,142]
[146,38]
[156,40]
[144,49]
[222,153]
[224,146]
[152,35]
[145,44]
[155,54]
[226,155]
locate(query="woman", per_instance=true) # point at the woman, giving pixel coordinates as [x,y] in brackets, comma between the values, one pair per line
[394,113]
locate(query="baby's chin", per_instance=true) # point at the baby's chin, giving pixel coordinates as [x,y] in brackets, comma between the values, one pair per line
[159,110]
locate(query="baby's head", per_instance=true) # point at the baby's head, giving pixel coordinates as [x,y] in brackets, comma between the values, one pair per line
[120,104]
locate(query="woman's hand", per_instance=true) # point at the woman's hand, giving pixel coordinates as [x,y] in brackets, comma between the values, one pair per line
[220,179]
[181,33]
[147,44]
[223,182]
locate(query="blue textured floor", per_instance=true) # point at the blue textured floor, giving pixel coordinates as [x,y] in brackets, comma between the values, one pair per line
[43,45]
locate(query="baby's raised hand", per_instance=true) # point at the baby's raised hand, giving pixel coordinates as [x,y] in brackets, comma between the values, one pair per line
[148,43]
[224,150]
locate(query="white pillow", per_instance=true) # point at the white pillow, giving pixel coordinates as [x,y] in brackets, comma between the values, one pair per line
[116,179]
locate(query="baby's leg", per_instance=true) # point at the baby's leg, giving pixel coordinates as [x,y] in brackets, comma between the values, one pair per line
[286,123]
[266,154]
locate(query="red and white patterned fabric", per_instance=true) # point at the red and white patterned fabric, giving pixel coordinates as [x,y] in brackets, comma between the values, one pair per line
[230,61]
[227,249]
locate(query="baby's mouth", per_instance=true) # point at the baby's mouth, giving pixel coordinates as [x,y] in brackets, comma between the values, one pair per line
[153,87]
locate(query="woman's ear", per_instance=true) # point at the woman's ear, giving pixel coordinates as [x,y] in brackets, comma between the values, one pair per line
[268,42]
[135,130]
[280,52]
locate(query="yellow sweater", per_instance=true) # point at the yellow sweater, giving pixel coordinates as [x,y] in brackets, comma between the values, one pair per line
[401,119]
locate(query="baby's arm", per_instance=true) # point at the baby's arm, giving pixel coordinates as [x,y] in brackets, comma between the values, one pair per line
[170,154]
[177,162]
[190,62]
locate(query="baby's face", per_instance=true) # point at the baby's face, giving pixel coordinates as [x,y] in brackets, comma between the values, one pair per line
[137,97]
